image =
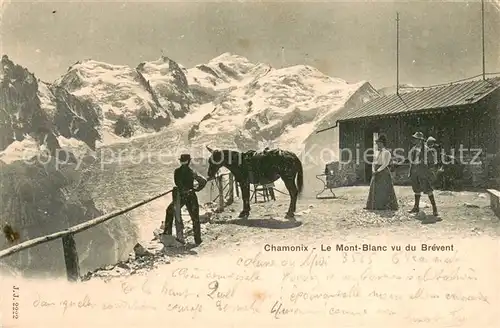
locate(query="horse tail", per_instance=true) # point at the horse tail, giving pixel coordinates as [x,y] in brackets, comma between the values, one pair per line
[300,176]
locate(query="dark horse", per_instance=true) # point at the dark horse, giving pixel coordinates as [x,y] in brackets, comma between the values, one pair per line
[261,168]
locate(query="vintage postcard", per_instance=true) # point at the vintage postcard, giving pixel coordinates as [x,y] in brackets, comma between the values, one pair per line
[250,163]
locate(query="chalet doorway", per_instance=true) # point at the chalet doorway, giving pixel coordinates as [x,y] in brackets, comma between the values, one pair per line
[370,153]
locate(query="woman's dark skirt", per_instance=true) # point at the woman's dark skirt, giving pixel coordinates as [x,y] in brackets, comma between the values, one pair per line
[382,195]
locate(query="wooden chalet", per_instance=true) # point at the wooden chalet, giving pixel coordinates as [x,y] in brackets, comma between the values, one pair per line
[466,114]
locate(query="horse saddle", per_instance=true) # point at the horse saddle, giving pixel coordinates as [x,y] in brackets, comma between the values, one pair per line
[260,165]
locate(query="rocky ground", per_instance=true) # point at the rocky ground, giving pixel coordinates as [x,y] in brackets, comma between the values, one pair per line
[464,214]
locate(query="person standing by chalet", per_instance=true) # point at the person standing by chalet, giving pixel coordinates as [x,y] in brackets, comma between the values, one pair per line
[382,195]
[444,165]
[420,174]
[184,177]
[433,160]
[434,148]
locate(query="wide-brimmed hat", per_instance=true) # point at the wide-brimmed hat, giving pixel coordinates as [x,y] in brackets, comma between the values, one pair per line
[382,139]
[431,139]
[418,135]
[185,157]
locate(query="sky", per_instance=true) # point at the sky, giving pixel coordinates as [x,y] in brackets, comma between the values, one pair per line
[353,40]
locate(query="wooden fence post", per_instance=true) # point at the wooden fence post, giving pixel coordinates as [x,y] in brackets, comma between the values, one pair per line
[211,189]
[220,187]
[71,258]
[67,236]
[230,199]
[179,233]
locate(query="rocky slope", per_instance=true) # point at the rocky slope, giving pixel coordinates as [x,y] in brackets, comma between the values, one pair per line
[92,104]
[130,101]
[34,113]
[168,83]
[160,108]
[38,199]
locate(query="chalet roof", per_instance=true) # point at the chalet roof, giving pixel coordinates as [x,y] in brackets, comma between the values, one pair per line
[452,95]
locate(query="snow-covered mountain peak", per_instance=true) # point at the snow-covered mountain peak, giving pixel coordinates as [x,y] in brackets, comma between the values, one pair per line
[284,105]
[229,101]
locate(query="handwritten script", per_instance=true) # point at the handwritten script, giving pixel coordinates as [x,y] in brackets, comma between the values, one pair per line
[444,288]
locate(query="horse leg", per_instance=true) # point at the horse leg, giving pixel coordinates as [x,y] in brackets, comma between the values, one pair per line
[245,196]
[293,191]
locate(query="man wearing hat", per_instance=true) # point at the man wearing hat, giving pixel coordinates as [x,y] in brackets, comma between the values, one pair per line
[431,142]
[420,174]
[184,177]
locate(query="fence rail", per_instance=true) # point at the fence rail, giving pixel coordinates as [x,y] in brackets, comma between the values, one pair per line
[69,245]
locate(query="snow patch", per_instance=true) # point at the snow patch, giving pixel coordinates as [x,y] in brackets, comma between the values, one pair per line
[284,105]
[20,150]
[47,99]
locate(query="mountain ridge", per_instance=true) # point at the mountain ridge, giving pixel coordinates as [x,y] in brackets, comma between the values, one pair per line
[95,104]
[228,102]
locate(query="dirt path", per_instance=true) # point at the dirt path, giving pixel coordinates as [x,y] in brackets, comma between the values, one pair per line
[464,214]
[307,288]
